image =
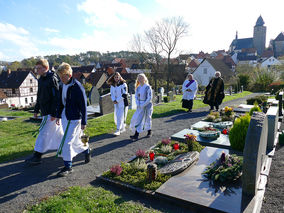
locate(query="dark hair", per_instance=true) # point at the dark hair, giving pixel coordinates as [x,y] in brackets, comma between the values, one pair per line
[111,80]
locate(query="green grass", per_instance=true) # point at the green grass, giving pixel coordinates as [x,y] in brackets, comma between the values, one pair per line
[16,135]
[88,199]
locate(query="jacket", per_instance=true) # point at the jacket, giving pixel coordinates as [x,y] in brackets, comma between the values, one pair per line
[76,103]
[47,94]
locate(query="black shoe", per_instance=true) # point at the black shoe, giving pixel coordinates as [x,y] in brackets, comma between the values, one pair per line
[189,110]
[135,136]
[35,159]
[64,172]
[88,157]
[149,135]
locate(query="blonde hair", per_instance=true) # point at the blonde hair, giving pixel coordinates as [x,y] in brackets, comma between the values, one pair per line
[64,68]
[137,83]
[43,62]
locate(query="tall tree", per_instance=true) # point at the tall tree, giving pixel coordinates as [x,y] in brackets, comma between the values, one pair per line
[169,31]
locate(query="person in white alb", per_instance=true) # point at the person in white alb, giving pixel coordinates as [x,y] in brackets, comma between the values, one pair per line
[73,111]
[189,89]
[142,118]
[118,91]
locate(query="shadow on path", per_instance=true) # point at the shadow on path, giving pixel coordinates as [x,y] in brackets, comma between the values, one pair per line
[187,115]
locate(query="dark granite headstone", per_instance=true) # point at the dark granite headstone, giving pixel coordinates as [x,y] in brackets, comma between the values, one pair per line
[106,104]
[131,88]
[254,153]
[272,119]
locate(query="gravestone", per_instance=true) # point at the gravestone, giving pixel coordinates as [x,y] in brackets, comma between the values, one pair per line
[272,119]
[131,88]
[280,103]
[94,97]
[242,88]
[106,104]
[132,102]
[171,96]
[254,153]
[230,90]
[180,163]
[161,91]
[101,81]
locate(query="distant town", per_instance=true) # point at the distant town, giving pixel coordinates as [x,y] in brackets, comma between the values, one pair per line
[247,62]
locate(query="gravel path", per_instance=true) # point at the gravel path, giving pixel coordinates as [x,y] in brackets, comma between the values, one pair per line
[21,186]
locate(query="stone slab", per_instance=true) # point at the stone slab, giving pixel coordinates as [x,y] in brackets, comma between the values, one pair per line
[243,108]
[221,142]
[191,187]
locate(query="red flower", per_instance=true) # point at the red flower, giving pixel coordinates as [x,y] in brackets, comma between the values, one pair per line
[225,131]
[176,146]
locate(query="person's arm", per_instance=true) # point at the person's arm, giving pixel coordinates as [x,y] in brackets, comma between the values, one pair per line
[193,86]
[60,105]
[54,95]
[124,91]
[184,86]
[37,106]
[136,96]
[82,103]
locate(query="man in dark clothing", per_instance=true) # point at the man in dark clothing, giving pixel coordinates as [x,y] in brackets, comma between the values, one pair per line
[214,93]
[49,134]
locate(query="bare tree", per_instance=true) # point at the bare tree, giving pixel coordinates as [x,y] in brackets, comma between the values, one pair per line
[169,31]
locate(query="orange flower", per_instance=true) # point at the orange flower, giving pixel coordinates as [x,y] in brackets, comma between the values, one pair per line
[190,137]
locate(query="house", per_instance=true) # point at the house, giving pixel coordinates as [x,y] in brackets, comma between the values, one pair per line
[3,97]
[20,87]
[81,72]
[207,68]
[278,45]
[271,61]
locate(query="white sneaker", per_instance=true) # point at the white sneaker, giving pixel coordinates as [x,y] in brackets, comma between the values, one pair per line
[122,130]
[117,133]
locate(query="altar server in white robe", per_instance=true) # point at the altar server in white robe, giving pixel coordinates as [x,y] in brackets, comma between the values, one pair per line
[73,111]
[118,91]
[49,134]
[189,89]
[142,118]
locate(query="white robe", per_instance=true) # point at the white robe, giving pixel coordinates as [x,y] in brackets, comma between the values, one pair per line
[71,143]
[186,94]
[142,118]
[120,111]
[49,136]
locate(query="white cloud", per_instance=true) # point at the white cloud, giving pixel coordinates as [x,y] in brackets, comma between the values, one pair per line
[50,30]
[19,38]
[109,13]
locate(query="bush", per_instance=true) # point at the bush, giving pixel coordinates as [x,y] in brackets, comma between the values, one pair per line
[276,86]
[256,108]
[259,99]
[263,79]
[244,80]
[166,99]
[238,132]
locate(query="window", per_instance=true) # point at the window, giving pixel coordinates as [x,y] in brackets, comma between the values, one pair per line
[13,91]
[32,99]
[26,100]
[31,89]
[31,81]
[204,70]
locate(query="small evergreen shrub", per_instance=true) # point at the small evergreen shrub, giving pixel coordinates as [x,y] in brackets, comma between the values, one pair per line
[166,99]
[238,132]
[256,108]
[259,99]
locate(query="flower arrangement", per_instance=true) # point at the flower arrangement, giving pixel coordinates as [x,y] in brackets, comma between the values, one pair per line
[213,116]
[166,141]
[206,128]
[228,111]
[226,168]
[116,169]
[190,139]
[141,153]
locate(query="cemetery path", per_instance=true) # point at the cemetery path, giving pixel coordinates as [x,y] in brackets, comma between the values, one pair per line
[21,186]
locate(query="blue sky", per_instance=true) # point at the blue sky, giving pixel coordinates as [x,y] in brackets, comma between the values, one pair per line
[37,28]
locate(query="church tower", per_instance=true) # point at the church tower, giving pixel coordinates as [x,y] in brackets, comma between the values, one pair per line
[259,36]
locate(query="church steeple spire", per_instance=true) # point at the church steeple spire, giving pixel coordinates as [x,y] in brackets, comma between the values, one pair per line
[236,35]
[259,21]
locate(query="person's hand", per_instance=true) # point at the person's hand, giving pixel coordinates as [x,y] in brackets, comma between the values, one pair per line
[57,121]
[189,90]
[83,127]
[52,118]
[35,115]
[115,102]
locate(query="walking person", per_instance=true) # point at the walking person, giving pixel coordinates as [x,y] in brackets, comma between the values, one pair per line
[214,93]
[73,111]
[189,89]
[142,118]
[49,134]
[118,91]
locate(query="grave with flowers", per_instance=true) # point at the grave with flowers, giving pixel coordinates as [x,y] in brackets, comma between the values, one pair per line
[217,178]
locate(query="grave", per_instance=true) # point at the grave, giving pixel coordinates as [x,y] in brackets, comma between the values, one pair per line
[106,104]
[220,142]
[243,108]
[272,119]
[94,107]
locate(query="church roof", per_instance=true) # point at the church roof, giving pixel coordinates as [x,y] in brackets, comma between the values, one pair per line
[259,21]
[280,37]
[242,43]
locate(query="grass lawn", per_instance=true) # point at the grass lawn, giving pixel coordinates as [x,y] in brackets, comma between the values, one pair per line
[16,135]
[88,199]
